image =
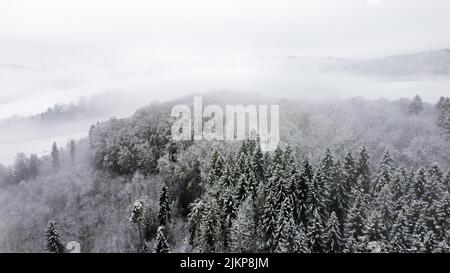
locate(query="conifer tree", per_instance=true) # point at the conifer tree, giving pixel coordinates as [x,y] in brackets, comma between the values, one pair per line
[416,105]
[72,151]
[363,171]
[385,173]
[162,246]
[243,228]
[356,217]
[315,232]
[399,235]
[55,157]
[295,193]
[210,225]
[137,217]
[339,195]
[194,222]
[385,205]
[164,215]
[54,243]
[273,197]
[306,177]
[349,180]
[419,183]
[286,228]
[316,199]
[376,229]
[332,235]
[215,170]
[33,166]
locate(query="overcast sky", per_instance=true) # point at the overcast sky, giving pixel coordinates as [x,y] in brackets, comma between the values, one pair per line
[64,31]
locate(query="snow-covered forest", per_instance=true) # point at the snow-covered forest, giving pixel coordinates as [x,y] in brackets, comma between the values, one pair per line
[353,175]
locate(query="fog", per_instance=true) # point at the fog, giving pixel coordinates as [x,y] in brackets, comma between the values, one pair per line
[139,51]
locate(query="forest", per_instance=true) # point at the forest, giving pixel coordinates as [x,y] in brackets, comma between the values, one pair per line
[349,176]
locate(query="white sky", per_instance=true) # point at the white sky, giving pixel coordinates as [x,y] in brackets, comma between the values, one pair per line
[64,31]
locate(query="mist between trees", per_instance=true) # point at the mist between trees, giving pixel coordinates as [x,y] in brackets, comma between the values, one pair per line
[349,176]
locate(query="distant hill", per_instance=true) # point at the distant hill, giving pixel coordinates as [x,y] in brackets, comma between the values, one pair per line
[426,63]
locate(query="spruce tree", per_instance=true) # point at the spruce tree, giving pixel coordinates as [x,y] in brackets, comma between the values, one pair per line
[399,235]
[295,192]
[416,105]
[137,217]
[315,232]
[54,243]
[316,198]
[243,228]
[385,173]
[162,246]
[356,217]
[286,228]
[215,168]
[339,195]
[194,222]
[332,235]
[306,177]
[419,184]
[210,225]
[273,198]
[363,171]
[164,215]
[376,229]
[55,157]
[349,179]
[72,151]
[33,166]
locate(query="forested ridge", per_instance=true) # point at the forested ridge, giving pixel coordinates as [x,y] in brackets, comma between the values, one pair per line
[348,176]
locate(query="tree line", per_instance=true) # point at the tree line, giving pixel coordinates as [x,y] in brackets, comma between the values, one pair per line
[254,202]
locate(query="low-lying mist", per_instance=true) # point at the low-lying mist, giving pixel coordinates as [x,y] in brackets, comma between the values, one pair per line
[118,90]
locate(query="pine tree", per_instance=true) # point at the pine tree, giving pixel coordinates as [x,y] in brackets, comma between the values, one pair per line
[443,108]
[339,195]
[363,171]
[375,229]
[54,243]
[210,225]
[316,198]
[137,217]
[419,184]
[274,195]
[416,105]
[293,178]
[315,232]
[194,222]
[227,205]
[73,151]
[447,182]
[286,228]
[55,157]
[385,205]
[215,169]
[399,236]
[416,223]
[164,215]
[349,180]
[385,173]
[356,217]
[243,228]
[306,177]
[162,246]
[433,194]
[33,166]
[332,235]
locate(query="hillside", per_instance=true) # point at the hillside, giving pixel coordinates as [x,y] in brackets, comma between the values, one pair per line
[90,190]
